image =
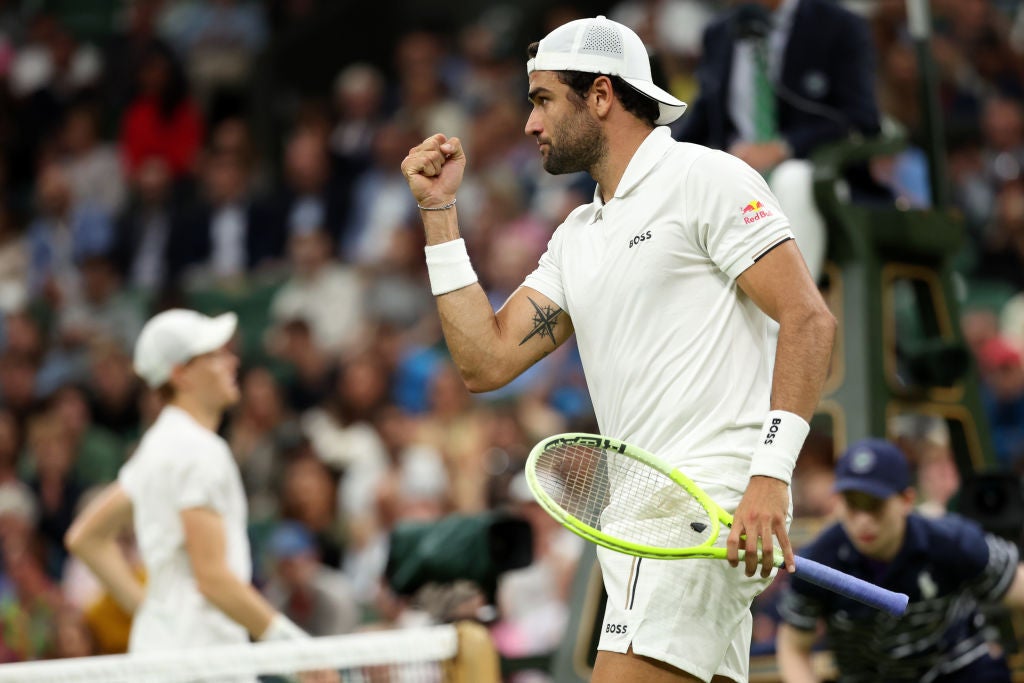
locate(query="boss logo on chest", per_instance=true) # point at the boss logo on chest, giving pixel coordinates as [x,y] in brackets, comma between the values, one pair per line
[637,239]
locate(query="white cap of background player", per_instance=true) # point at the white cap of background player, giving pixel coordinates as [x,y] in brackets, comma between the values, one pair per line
[603,46]
[175,337]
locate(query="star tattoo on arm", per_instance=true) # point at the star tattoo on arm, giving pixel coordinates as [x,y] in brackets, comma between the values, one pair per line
[544,321]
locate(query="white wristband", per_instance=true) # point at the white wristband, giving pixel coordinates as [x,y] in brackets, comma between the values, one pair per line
[282,628]
[448,267]
[777,448]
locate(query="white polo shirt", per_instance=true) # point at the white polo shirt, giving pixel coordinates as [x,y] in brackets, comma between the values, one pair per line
[178,465]
[674,352]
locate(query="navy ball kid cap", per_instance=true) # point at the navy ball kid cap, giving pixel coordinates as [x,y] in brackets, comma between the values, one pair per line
[875,467]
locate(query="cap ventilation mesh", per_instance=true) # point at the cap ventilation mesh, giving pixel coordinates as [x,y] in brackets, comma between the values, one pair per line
[602,40]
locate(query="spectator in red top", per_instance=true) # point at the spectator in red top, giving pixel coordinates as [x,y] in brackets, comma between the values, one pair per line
[162,120]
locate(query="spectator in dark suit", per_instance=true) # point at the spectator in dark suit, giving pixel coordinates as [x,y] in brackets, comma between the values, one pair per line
[223,237]
[820,62]
[778,79]
[143,228]
[312,195]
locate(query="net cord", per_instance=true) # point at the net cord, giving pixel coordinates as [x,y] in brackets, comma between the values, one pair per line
[377,648]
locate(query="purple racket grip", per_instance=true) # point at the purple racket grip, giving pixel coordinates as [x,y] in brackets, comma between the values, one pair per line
[850,586]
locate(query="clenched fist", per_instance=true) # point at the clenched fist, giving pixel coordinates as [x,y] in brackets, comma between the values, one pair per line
[434,170]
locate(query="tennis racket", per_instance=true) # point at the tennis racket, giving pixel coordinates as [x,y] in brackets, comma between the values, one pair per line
[621,497]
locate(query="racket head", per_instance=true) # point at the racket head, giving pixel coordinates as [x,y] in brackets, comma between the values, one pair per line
[622,497]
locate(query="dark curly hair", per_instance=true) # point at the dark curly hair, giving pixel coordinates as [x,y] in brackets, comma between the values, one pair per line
[632,100]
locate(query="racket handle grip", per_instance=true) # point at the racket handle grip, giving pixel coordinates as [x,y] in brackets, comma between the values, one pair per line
[850,586]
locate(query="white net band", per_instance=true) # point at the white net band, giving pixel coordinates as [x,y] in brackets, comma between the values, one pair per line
[357,654]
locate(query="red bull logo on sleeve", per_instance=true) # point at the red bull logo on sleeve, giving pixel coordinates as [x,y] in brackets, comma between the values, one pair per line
[755,211]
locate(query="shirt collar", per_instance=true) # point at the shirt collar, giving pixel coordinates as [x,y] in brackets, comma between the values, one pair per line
[650,151]
[175,413]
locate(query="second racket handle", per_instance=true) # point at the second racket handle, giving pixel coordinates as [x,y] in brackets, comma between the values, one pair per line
[850,586]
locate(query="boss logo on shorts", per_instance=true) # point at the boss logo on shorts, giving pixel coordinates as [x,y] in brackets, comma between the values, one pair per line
[772,431]
[637,239]
[617,629]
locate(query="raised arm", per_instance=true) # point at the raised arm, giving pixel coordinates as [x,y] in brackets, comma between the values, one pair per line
[489,349]
[93,538]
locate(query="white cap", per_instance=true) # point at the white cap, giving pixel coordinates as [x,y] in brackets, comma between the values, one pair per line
[175,337]
[606,47]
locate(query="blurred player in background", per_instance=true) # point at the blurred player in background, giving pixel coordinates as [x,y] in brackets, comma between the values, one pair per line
[948,566]
[183,491]
[668,279]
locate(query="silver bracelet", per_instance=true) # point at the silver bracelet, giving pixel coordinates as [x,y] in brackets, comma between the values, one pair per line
[443,207]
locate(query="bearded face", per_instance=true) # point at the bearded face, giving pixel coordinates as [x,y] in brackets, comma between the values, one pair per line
[576,143]
[570,139]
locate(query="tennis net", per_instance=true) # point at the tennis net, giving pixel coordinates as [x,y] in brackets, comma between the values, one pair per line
[460,653]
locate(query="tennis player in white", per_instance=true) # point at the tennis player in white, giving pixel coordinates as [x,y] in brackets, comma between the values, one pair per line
[182,490]
[668,279]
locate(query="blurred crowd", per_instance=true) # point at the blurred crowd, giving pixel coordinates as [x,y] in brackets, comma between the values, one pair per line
[145,165]
[134,177]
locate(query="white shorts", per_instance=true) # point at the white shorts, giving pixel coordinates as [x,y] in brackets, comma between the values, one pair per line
[693,615]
